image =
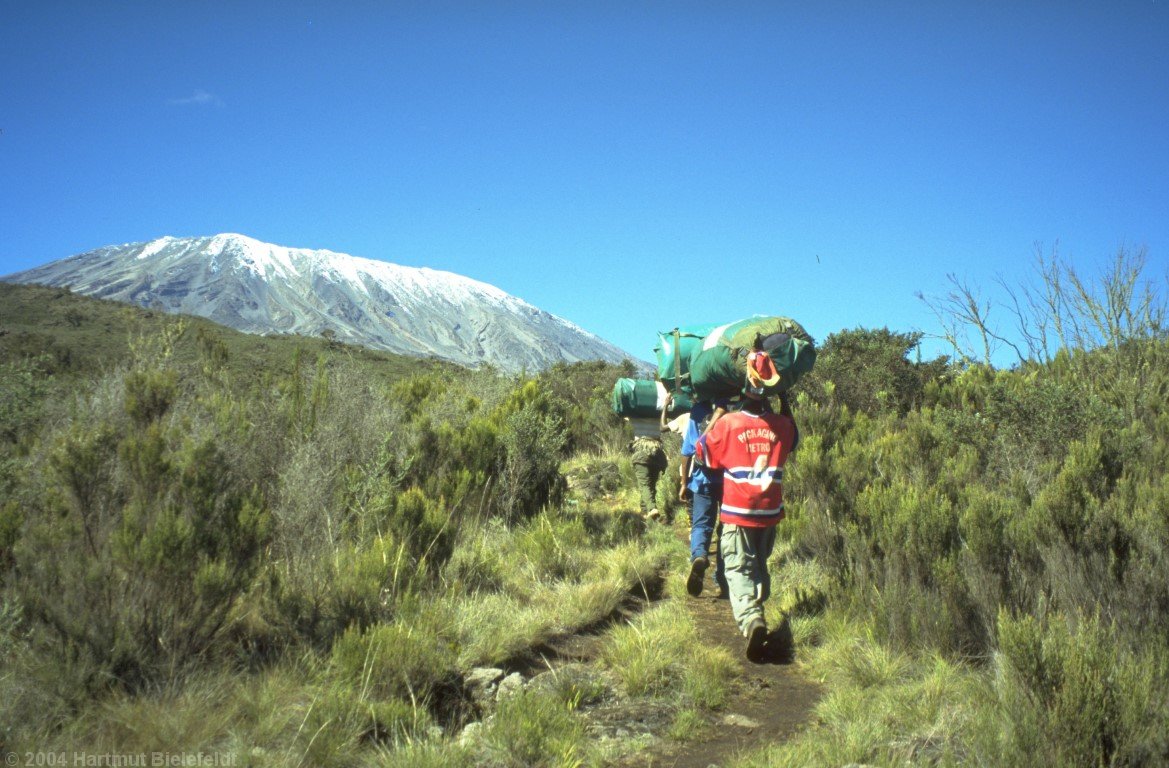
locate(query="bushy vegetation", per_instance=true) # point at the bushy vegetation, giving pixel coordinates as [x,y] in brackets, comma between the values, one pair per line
[297,551]
[1011,526]
[323,546]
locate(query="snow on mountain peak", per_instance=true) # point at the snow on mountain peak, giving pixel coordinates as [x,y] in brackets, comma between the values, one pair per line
[154,246]
[421,284]
[262,259]
[263,288]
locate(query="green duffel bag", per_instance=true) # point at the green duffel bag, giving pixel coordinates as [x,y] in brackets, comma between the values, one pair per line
[642,398]
[673,353]
[719,367]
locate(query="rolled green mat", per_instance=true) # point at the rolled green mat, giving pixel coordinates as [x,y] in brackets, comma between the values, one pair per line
[673,352]
[644,398]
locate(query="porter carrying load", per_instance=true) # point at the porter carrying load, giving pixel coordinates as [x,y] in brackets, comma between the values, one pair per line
[718,367]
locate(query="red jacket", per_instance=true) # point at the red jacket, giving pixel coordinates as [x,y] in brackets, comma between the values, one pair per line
[750,449]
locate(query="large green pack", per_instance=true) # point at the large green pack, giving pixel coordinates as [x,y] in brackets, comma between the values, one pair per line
[673,352]
[718,367]
[641,398]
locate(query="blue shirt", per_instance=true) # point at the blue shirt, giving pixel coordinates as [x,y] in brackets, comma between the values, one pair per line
[702,480]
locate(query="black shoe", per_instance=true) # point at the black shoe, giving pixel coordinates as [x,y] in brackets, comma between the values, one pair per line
[697,571]
[756,637]
[722,594]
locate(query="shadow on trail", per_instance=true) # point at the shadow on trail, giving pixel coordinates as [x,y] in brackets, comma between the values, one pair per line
[779,647]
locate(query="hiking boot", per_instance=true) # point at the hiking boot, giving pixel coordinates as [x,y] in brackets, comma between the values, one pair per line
[653,514]
[722,593]
[697,572]
[756,637]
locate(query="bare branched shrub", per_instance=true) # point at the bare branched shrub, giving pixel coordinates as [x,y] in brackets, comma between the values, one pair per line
[1058,307]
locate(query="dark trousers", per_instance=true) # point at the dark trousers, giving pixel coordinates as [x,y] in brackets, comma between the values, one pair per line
[647,484]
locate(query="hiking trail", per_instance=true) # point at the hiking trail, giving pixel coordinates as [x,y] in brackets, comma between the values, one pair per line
[769,702]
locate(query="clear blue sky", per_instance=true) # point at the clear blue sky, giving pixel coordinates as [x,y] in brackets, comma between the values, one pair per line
[628,166]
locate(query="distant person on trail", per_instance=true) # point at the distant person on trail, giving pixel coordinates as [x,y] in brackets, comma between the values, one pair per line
[702,487]
[750,447]
[649,461]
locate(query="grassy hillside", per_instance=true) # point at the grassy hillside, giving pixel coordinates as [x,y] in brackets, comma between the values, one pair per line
[70,333]
[304,554]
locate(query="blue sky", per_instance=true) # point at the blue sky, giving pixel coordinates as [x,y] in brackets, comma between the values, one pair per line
[629,166]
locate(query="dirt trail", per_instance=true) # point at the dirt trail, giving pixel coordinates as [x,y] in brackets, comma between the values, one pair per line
[769,701]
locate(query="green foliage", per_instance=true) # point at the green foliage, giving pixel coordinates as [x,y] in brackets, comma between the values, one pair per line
[869,371]
[426,525]
[580,394]
[555,546]
[153,538]
[22,389]
[149,394]
[985,523]
[1079,696]
[355,585]
[344,721]
[409,659]
[648,654]
[534,729]
[226,506]
[477,563]
[220,507]
[533,448]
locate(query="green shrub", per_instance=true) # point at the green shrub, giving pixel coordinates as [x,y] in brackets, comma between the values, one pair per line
[154,537]
[533,729]
[648,654]
[870,371]
[477,561]
[553,547]
[1081,698]
[411,659]
[23,388]
[357,585]
[580,393]
[149,394]
[530,477]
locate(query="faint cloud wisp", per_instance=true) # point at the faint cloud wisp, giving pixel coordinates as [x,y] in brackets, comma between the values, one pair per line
[200,98]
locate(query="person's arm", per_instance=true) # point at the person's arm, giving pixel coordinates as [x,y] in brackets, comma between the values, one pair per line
[785,409]
[708,449]
[686,468]
[665,410]
[718,413]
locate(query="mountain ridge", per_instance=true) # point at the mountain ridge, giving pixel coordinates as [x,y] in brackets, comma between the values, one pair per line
[259,287]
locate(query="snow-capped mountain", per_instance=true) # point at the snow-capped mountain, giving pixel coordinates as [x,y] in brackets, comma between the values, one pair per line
[261,288]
